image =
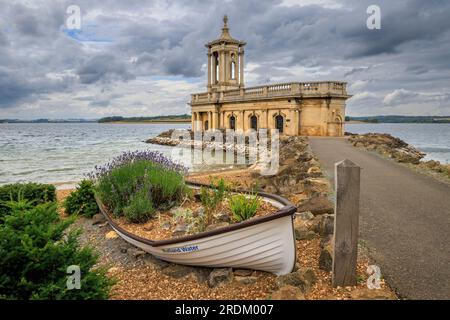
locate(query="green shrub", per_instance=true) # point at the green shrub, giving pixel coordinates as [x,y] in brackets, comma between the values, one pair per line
[32,192]
[36,248]
[82,201]
[243,207]
[164,188]
[140,207]
[211,197]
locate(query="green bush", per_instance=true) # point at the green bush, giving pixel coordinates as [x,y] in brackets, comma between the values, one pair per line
[32,192]
[243,207]
[36,248]
[121,189]
[82,201]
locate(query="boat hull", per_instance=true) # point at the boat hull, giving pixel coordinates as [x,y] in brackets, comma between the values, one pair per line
[266,243]
[267,246]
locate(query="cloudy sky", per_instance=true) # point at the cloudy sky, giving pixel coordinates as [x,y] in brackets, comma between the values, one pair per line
[144,58]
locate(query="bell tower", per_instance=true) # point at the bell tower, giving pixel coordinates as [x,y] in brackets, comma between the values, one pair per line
[225,61]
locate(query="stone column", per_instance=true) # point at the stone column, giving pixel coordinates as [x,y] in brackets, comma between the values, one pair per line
[221,67]
[209,69]
[216,120]
[241,115]
[214,69]
[241,67]
[199,119]
[263,124]
[209,120]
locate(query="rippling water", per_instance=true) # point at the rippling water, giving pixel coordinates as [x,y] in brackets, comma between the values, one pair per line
[433,139]
[65,152]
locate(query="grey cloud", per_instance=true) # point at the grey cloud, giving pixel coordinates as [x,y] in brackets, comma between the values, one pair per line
[103,67]
[166,38]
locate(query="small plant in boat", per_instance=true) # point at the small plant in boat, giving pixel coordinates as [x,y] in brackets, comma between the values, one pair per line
[211,198]
[196,222]
[243,206]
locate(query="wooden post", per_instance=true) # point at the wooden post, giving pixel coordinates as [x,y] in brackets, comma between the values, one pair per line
[346,221]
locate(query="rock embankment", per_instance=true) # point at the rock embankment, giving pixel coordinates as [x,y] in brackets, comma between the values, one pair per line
[387,145]
[399,150]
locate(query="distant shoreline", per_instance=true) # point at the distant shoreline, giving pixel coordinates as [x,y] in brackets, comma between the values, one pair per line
[147,122]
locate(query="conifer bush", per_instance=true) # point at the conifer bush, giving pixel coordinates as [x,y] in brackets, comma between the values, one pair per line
[36,248]
[82,201]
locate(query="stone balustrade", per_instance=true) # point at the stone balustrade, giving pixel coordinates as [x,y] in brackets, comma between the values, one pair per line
[294,89]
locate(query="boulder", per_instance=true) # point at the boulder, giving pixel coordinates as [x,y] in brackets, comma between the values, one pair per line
[98,219]
[371,294]
[219,277]
[166,225]
[302,233]
[216,226]
[222,217]
[124,247]
[304,216]
[319,204]
[180,230]
[135,253]
[326,258]
[155,263]
[314,171]
[111,235]
[303,278]
[178,271]
[325,225]
[287,293]
[246,280]
[243,272]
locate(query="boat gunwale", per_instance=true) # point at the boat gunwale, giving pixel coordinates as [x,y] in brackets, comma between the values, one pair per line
[288,209]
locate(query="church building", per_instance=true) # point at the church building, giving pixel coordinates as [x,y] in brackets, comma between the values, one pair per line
[295,108]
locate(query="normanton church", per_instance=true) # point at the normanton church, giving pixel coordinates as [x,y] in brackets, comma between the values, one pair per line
[295,108]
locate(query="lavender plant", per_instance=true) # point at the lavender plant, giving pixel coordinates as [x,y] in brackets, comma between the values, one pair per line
[135,184]
[133,156]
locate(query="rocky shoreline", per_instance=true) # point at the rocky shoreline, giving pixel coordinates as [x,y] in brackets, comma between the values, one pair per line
[398,150]
[299,178]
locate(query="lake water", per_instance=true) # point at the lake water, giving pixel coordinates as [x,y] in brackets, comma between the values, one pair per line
[432,139]
[66,152]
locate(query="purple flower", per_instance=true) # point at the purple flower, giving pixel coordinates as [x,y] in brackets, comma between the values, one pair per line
[132,156]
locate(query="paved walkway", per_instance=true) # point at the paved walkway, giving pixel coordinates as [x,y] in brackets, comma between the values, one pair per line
[405,220]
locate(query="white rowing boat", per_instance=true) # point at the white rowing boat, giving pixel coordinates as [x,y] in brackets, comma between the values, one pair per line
[265,243]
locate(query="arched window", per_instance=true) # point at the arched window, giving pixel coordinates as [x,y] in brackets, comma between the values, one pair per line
[232,123]
[279,123]
[254,122]
[233,70]
[216,63]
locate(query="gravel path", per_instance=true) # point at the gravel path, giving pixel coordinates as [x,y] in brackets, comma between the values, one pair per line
[405,219]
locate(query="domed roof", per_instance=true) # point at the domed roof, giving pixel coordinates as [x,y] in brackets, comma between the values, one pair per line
[225,37]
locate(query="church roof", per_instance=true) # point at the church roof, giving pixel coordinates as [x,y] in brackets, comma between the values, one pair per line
[225,37]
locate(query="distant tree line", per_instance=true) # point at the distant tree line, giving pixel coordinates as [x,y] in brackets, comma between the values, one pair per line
[401,119]
[143,119]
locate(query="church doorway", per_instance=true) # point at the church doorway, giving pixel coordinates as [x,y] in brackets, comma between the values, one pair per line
[279,123]
[232,123]
[254,122]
